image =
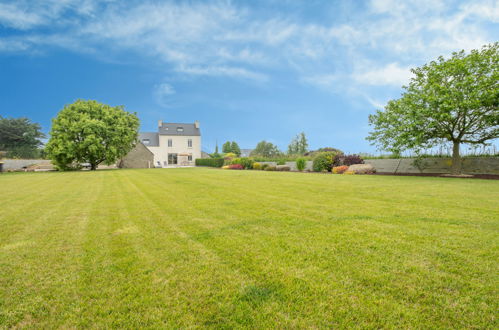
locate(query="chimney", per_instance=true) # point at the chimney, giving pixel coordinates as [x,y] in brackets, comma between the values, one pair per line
[160,123]
[196,124]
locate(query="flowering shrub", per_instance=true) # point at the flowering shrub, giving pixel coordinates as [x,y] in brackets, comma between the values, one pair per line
[349,172]
[340,169]
[236,167]
[225,167]
[324,161]
[245,162]
[257,166]
[351,160]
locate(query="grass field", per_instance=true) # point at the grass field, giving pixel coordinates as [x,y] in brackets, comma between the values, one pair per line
[213,248]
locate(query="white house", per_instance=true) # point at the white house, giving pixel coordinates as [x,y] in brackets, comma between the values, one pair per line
[174,144]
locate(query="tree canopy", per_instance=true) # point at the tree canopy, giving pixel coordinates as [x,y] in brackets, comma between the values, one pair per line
[20,137]
[299,145]
[91,132]
[231,147]
[266,149]
[453,100]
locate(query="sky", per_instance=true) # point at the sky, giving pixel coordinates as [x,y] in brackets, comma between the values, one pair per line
[247,70]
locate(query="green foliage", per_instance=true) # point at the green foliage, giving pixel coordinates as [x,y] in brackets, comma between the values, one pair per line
[269,167]
[325,161]
[91,132]
[452,100]
[246,162]
[20,137]
[266,149]
[234,147]
[227,147]
[24,152]
[212,162]
[301,163]
[281,161]
[299,145]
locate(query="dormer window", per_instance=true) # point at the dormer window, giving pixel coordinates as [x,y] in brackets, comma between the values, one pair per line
[180,129]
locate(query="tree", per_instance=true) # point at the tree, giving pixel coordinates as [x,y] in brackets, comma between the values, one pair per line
[91,132]
[447,101]
[216,154]
[299,145]
[227,147]
[293,146]
[266,149]
[234,148]
[20,137]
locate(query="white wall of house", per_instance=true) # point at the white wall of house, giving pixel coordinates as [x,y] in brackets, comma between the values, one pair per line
[179,145]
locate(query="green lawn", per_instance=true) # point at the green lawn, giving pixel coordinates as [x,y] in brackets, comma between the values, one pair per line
[213,248]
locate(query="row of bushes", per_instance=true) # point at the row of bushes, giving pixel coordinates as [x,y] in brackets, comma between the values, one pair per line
[212,162]
[322,162]
[326,161]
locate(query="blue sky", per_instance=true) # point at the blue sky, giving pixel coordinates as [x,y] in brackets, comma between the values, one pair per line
[247,70]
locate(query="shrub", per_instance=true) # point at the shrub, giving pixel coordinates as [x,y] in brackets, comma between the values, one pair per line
[257,166]
[325,161]
[236,167]
[245,162]
[281,161]
[351,160]
[264,166]
[340,169]
[349,172]
[225,167]
[301,163]
[270,167]
[283,168]
[212,162]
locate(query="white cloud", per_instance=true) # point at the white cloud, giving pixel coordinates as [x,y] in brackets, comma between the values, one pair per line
[390,75]
[220,71]
[162,92]
[18,17]
[224,39]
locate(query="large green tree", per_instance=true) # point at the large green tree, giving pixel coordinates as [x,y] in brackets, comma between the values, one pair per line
[91,132]
[453,100]
[20,137]
[266,149]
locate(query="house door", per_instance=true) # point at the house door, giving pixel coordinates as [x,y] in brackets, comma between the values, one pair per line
[172,159]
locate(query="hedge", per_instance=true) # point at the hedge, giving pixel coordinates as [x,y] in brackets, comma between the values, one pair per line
[212,162]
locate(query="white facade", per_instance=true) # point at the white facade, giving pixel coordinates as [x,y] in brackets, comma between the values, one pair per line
[174,145]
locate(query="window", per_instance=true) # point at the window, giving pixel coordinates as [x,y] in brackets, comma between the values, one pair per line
[180,129]
[189,143]
[170,143]
[189,158]
[172,159]
[146,141]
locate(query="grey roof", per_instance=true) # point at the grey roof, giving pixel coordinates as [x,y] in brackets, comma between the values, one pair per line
[246,152]
[151,136]
[171,129]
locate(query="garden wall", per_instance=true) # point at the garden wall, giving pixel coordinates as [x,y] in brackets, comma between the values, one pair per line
[18,164]
[475,165]
[292,165]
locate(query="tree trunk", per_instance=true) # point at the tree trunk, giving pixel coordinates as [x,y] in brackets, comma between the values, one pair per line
[456,158]
[93,166]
